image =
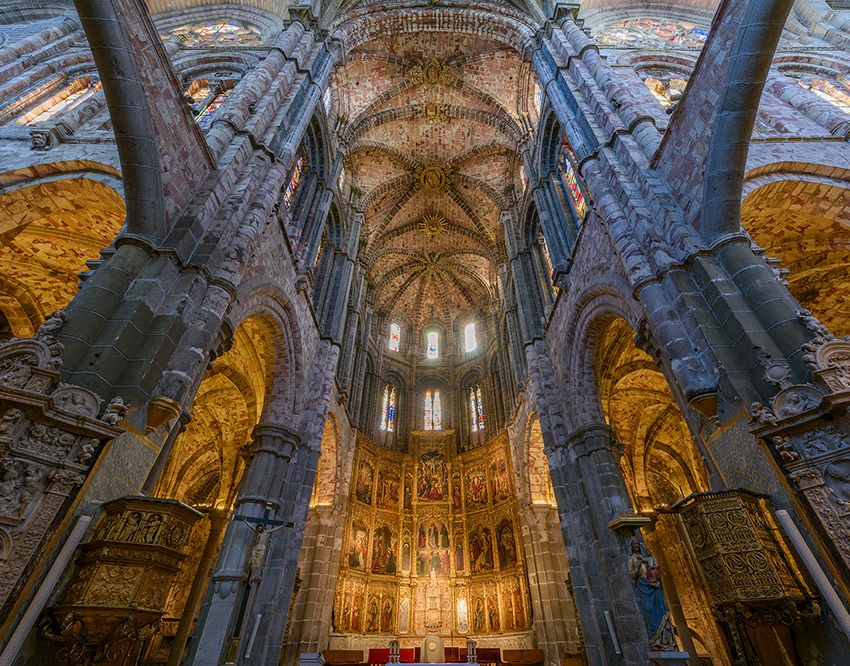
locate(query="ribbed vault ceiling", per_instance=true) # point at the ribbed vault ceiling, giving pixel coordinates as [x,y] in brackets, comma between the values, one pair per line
[431,122]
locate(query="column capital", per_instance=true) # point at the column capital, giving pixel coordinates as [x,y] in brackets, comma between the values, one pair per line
[274,439]
[591,438]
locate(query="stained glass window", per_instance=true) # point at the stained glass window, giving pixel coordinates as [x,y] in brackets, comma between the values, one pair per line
[295,179]
[388,409]
[205,117]
[395,337]
[569,179]
[655,33]
[476,409]
[222,33]
[68,98]
[470,339]
[433,410]
[433,349]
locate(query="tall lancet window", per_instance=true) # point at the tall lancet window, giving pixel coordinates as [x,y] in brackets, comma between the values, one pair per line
[433,410]
[476,409]
[295,179]
[569,180]
[433,349]
[388,409]
[395,337]
[469,338]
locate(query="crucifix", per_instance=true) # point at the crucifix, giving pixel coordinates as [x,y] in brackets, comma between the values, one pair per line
[262,526]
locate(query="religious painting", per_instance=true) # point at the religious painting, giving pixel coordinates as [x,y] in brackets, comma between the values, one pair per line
[493,614]
[386,617]
[481,550]
[476,490]
[359,544]
[506,544]
[459,558]
[432,542]
[433,477]
[384,551]
[355,615]
[365,479]
[408,491]
[404,616]
[462,616]
[457,500]
[388,490]
[478,617]
[372,616]
[405,557]
[500,488]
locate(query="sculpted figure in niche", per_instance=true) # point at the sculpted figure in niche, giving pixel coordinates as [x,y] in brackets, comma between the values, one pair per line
[837,478]
[646,576]
[408,492]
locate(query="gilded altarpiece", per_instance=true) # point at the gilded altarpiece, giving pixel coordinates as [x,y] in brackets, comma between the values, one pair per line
[432,543]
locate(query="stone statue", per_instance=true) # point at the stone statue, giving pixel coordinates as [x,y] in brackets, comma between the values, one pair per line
[646,576]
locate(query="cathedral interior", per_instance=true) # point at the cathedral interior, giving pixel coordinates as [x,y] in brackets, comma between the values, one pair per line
[361,332]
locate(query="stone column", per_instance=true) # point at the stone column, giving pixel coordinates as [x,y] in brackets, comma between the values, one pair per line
[218,521]
[590,488]
[268,607]
[266,471]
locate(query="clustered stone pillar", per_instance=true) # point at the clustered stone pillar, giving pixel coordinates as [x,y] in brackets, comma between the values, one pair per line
[259,499]
[591,493]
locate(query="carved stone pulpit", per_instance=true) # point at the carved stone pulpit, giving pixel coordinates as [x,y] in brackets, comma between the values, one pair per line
[122,581]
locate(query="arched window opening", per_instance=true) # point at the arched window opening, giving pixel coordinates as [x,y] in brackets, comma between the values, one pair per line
[665,85]
[433,410]
[388,409]
[653,33]
[433,345]
[470,338]
[206,99]
[476,409]
[218,34]
[395,337]
[67,99]
[572,191]
[296,177]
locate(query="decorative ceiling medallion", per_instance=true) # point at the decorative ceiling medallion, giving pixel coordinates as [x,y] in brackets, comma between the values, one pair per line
[432,72]
[431,111]
[433,176]
[432,225]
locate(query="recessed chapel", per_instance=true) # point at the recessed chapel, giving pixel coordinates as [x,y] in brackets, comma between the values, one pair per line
[367,332]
